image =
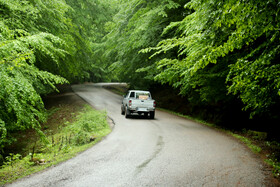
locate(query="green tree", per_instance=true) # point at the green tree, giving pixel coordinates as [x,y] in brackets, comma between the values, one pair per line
[225,40]
[89,18]
[21,82]
[41,42]
[137,24]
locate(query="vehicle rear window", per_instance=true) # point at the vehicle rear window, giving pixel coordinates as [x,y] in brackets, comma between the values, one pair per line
[143,95]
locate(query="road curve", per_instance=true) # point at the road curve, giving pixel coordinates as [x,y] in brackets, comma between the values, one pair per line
[166,151]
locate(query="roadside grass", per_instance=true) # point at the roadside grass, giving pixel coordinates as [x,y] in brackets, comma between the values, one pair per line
[269,150]
[78,132]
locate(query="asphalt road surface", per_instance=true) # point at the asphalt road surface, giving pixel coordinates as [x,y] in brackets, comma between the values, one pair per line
[166,151]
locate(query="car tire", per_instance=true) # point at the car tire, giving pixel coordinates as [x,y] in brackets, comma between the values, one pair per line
[146,115]
[123,112]
[152,115]
[127,112]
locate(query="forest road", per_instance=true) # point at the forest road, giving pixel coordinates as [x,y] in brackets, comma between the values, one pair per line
[167,151]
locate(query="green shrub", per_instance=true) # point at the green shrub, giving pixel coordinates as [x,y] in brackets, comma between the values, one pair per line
[71,138]
[11,159]
[82,137]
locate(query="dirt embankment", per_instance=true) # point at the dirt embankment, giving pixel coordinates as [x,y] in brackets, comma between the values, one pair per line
[65,96]
[62,106]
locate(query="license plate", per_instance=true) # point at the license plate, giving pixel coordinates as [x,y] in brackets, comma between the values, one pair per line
[142,109]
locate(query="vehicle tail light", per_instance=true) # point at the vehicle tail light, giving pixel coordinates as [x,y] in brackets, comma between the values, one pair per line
[154,103]
[130,102]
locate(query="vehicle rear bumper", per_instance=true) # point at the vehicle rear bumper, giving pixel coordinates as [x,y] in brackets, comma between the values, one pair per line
[141,110]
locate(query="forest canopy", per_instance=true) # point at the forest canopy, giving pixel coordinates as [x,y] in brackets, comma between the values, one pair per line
[215,52]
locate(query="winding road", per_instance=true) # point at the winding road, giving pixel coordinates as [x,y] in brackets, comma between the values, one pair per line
[166,151]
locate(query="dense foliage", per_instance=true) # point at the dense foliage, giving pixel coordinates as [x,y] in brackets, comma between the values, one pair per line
[42,44]
[226,40]
[22,46]
[215,52]
[136,25]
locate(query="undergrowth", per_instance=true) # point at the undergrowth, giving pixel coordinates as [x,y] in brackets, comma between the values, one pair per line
[273,158]
[88,127]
